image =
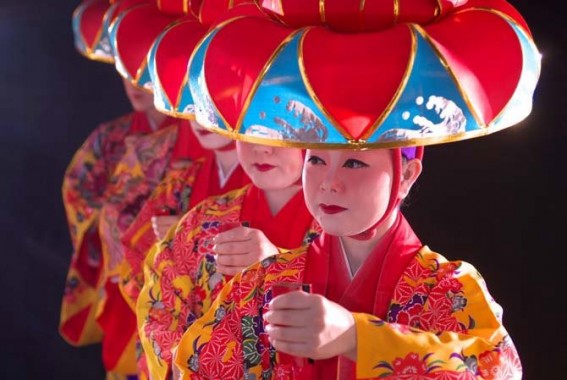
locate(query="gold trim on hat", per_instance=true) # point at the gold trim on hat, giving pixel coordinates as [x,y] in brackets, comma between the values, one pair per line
[97,58]
[438,10]
[357,144]
[322,15]
[396,11]
[310,90]
[399,91]
[260,77]
[176,114]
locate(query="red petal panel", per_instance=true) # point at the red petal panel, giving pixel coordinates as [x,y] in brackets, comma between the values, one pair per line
[235,59]
[173,7]
[91,21]
[173,55]
[364,76]
[483,57]
[136,34]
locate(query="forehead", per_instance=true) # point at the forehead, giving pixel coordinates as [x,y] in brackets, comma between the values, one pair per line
[345,154]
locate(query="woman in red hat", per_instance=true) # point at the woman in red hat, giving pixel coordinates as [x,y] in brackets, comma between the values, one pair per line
[223,234]
[360,84]
[89,176]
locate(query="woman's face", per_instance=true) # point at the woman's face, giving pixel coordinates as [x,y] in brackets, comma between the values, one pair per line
[207,139]
[347,191]
[141,101]
[270,168]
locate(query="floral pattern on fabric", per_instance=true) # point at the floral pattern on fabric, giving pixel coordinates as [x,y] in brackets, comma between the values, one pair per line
[171,196]
[138,173]
[442,324]
[85,182]
[180,280]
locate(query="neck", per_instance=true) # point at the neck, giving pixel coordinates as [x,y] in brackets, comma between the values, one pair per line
[277,198]
[226,159]
[358,250]
[155,118]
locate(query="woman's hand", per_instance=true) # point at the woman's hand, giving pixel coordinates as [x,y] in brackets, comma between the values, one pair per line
[311,326]
[162,223]
[239,248]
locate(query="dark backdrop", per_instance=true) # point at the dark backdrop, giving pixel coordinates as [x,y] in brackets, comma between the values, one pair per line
[497,201]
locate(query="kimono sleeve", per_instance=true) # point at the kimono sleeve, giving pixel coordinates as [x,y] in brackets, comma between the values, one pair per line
[84,184]
[162,305]
[212,347]
[442,322]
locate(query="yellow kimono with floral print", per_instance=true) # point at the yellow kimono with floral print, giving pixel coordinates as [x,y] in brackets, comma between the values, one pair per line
[180,281]
[461,334]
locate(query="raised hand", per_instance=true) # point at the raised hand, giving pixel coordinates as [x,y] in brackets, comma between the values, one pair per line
[239,248]
[311,326]
[162,223]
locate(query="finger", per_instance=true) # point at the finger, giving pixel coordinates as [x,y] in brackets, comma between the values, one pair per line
[289,317]
[228,270]
[296,299]
[232,260]
[235,247]
[288,334]
[167,220]
[292,348]
[163,232]
[235,234]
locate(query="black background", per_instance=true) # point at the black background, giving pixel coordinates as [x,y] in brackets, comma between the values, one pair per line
[498,201]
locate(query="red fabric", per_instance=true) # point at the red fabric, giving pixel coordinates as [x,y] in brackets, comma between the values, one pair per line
[91,21]
[89,260]
[287,228]
[172,55]
[141,124]
[136,33]
[207,182]
[74,326]
[119,325]
[186,145]
[370,291]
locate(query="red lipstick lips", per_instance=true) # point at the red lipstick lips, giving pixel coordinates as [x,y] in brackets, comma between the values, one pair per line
[264,167]
[331,209]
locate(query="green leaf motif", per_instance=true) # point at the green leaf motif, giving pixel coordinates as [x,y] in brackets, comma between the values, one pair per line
[251,355]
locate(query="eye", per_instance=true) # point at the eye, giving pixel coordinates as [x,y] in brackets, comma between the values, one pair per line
[314,160]
[351,163]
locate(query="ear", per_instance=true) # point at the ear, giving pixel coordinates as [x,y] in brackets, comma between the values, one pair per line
[410,172]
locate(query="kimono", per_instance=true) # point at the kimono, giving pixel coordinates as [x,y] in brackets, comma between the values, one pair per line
[183,187]
[417,316]
[84,186]
[180,278]
[137,174]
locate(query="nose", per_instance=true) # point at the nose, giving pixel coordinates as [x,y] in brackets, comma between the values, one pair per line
[332,182]
[265,149]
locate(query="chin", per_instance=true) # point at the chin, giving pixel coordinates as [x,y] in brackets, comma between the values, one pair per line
[213,143]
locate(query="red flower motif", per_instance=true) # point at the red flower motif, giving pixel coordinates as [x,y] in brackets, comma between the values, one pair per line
[488,365]
[410,365]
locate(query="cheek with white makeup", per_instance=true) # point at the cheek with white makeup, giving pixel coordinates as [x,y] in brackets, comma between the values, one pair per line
[270,168]
[346,201]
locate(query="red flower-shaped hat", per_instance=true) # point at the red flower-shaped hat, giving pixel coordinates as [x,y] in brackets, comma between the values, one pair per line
[89,33]
[172,49]
[132,34]
[352,74]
